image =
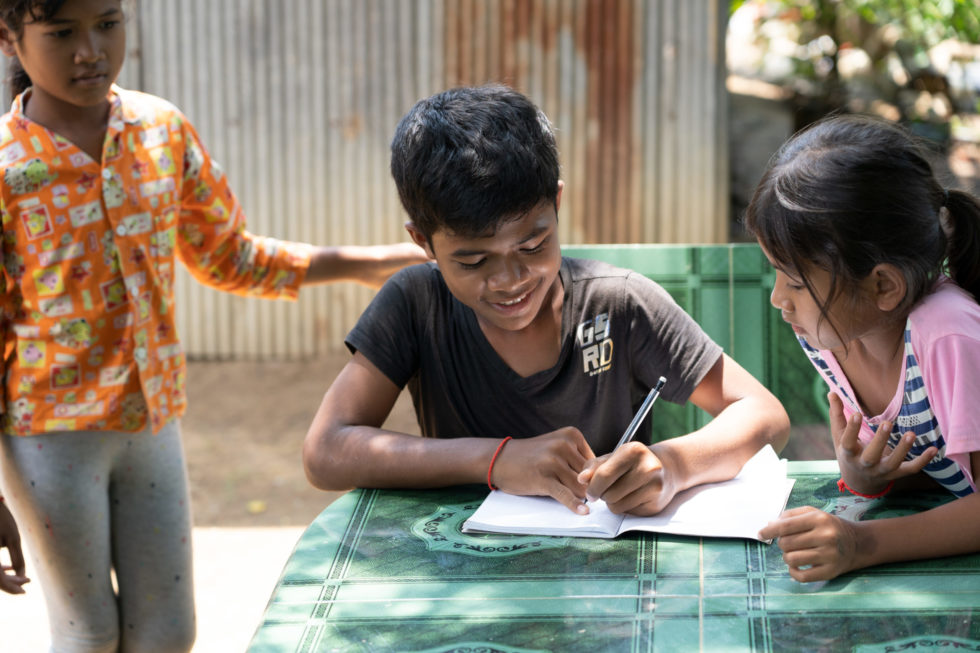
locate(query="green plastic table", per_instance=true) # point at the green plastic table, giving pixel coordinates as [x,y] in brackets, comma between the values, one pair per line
[384,570]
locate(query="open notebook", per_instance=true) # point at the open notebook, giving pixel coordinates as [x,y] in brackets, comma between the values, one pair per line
[736,508]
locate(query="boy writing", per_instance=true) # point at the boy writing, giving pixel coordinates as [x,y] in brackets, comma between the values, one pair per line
[496,339]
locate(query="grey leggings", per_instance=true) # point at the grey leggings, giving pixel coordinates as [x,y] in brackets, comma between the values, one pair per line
[90,503]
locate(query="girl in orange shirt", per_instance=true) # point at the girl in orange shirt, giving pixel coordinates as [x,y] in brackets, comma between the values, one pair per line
[103,190]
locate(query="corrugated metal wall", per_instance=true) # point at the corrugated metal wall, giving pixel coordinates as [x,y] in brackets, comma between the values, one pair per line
[298,100]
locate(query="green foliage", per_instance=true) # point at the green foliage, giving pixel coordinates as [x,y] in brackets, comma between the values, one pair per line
[927,21]
[810,39]
[924,22]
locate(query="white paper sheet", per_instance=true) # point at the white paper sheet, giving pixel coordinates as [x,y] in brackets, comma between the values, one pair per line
[739,507]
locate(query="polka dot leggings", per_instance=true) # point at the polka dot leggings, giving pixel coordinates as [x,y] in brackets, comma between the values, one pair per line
[106,516]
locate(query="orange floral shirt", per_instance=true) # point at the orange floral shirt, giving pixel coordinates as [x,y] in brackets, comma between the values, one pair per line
[89,250]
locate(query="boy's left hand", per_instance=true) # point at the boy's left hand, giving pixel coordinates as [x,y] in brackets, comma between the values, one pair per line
[816,545]
[545,465]
[632,479]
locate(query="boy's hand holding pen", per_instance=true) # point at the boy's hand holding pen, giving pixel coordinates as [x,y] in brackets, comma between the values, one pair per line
[609,481]
[560,452]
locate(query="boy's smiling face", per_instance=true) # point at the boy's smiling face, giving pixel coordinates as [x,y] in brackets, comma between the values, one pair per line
[508,278]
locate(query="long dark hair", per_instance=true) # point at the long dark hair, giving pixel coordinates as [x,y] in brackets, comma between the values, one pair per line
[15,13]
[850,192]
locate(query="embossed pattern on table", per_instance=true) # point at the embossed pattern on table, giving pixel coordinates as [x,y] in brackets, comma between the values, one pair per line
[391,571]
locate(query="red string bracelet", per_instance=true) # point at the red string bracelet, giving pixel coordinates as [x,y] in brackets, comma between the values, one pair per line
[844,487]
[494,459]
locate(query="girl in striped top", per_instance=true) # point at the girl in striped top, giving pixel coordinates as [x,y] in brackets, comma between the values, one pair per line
[877,271]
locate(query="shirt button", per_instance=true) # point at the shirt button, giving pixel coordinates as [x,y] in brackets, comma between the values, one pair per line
[120,230]
[106,173]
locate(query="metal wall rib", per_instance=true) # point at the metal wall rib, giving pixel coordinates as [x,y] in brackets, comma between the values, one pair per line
[298,99]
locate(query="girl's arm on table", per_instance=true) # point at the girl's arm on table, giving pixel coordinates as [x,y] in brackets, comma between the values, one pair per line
[746,416]
[346,447]
[820,546]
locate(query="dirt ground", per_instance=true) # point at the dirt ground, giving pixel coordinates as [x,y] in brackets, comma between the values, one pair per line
[243,430]
[245,425]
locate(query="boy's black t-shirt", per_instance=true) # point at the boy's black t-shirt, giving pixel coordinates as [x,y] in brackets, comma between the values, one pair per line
[620,333]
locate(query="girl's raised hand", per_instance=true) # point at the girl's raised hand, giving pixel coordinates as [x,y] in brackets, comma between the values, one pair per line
[869,468]
[815,545]
[545,465]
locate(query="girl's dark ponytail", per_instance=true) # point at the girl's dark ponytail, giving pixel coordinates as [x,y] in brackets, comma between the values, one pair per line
[963,249]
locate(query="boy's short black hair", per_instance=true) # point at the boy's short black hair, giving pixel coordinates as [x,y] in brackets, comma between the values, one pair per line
[468,158]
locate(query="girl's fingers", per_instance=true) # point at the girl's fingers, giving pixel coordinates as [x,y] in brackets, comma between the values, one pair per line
[848,440]
[811,574]
[872,453]
[837,420]
[786,524]
[843,430]
[11,582]
[802,557]
[895,459]
[917,464]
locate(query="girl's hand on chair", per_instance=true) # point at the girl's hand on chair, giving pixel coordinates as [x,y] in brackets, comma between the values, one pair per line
[869,469]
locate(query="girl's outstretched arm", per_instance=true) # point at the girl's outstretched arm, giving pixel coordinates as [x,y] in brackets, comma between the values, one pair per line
[370,265]
[820,546]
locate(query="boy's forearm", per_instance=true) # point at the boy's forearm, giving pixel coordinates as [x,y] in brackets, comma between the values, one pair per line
[717,451]
[361,456]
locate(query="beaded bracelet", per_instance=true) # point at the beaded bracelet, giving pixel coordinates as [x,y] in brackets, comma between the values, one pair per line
[494,459]
[844,487]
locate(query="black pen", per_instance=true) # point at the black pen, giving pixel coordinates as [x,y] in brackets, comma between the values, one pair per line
[638,418]
[641,413]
